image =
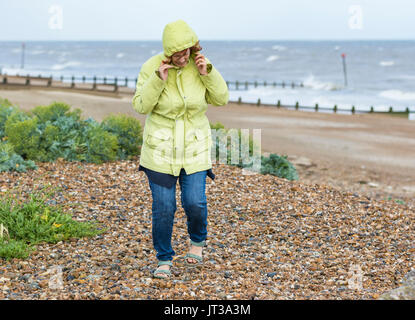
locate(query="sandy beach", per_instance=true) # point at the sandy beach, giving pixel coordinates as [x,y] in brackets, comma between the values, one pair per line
[370,154]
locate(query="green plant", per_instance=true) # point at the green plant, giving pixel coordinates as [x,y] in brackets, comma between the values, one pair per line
[128,132]
[22,132]
[273,164]
[278,166]
[100,145]
[6,109]
[11,161]
[54,111]
[51,132]
[33,221]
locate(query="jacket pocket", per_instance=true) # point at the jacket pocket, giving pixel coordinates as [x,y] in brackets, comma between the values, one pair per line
[160,141]
[200,142]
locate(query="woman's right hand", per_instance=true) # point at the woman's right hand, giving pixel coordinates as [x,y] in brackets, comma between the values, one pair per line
[164,69]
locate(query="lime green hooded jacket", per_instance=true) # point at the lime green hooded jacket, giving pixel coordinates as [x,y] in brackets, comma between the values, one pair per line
[177,132]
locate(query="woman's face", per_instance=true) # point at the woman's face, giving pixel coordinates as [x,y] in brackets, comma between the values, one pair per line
[181,58]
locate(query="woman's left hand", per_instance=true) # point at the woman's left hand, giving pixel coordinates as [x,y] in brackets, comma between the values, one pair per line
[201,64]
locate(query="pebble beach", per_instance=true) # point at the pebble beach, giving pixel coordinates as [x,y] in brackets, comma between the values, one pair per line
[337,233]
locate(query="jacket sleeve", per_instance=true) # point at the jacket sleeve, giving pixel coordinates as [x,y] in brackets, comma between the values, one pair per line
[217,92]
[148,89]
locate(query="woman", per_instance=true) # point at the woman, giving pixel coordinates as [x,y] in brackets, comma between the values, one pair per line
[174,89]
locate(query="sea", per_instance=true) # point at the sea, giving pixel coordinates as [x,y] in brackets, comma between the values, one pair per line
[371,73]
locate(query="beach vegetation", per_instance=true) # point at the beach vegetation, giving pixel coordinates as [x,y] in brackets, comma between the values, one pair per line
[47,133]
[29,219]
[273,164]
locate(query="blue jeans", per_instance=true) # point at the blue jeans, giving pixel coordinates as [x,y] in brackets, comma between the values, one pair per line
[193,198]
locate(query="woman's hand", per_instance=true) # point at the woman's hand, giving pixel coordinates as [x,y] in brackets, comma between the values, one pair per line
[164,69]
[201,64]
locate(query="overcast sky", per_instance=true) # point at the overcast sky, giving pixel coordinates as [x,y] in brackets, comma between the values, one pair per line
[24,20]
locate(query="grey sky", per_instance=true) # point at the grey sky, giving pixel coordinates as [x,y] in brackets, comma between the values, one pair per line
[24,20]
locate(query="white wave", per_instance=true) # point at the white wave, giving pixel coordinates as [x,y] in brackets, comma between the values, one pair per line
[337,48]
[272,58]
[36,52]
[397,95]
[387,63]
[65,65]
[13,71]
[120,55]
[279,48]
[312,83]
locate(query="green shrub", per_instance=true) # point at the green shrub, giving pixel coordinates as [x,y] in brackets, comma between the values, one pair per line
[5,111]
[274,164]
[5,102]
[54,111]
[278,166]
[11,161]
[23,133]
[128,132]
[100,145]
[51,132]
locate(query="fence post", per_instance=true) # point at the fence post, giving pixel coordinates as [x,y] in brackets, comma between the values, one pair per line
[115,84]
[283,84]
[258,102]
[126,81]
[27,81]
[5,80]
[61,78]
[371,109]
[316,107]
[407,110]
[236,84]
[353,110]
[83,79]
[256,84]
[265,83]
[73,82]
[49,82]
[296,105]
[94,86]
[246,85]
[278,104]
[390,109]
[239,100]
[335,108]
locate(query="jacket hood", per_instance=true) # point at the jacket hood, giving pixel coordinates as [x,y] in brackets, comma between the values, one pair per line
[178,36]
